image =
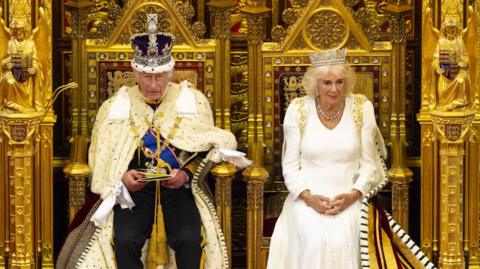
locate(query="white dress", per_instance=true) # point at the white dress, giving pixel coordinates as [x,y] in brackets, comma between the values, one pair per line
[332,162]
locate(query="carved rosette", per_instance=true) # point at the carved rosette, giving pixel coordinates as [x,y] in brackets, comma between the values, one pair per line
[326,29]
[290,15]
[278,33]
[185,9]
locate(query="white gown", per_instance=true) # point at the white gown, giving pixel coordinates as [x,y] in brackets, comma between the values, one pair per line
[332,162]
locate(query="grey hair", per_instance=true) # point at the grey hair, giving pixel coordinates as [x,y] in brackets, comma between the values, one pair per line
[315,73]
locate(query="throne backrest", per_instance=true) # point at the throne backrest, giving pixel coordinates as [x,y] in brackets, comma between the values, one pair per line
[320,25]
[108,59]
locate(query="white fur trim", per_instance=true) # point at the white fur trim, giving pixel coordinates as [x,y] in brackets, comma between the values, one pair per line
[120,108]
[152,70]
[186,103]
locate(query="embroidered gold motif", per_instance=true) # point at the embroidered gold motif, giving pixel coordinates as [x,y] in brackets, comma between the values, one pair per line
[161,166]
[357,110]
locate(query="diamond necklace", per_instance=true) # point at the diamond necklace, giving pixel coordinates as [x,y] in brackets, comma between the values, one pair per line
[324,114]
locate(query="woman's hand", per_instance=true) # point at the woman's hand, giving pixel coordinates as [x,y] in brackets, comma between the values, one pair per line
[130,180]
[319,203]
[178,179]
[342,201]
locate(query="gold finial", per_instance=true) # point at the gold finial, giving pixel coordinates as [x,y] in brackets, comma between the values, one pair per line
[333,56]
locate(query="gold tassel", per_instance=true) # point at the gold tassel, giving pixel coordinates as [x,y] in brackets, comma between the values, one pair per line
[162,246]
[158,249]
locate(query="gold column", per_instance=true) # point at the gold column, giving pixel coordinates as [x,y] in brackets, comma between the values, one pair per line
[255,178]
[429,186]
[451,129]
[19,133]
[470,244]
[221,10]
[256,12]
[44,192]
[400,174]
[224,174]
[76,172]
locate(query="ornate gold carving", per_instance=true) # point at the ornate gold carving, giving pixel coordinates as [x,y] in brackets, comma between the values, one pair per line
[222,17]
[25,60]
[138,25]
[76,172]
[326,29]
[290,15]
[278,33]
[452,129]
[185,9]
[224,173]
[198,29]
[255,178]
[20,200]
[352,43]
[299,44]
[116,79]
[449,63]
[256,28]
[370,20]
[19,130]
[239,96]
[99,20]
[401,175]
[452,126]
[427,138]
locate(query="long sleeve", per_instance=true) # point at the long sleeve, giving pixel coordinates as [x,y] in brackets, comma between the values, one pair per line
[291,151]
[366,174]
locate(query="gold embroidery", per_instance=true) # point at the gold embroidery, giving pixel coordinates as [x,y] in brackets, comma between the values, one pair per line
[161,167]
[357,110]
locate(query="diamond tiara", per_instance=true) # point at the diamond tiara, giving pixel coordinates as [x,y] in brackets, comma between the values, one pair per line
[327,57]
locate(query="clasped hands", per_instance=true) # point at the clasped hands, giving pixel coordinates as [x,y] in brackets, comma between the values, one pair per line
[179,178]
[327,206]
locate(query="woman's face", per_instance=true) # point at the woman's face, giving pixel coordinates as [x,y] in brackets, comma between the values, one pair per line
[331,89]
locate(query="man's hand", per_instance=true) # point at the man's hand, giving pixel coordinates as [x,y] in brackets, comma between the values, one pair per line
[342,201]
[319,203]
[179,178]
[130,180]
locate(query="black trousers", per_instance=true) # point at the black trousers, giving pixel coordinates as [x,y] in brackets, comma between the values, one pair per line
[182,225]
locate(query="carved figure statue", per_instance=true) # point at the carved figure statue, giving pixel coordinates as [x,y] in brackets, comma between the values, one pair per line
[450,62]
[23,83]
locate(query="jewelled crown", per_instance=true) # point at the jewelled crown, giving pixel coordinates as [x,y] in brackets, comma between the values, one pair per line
[152,50]
[327,57]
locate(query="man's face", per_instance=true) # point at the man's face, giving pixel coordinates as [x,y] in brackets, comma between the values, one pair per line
[153,86]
